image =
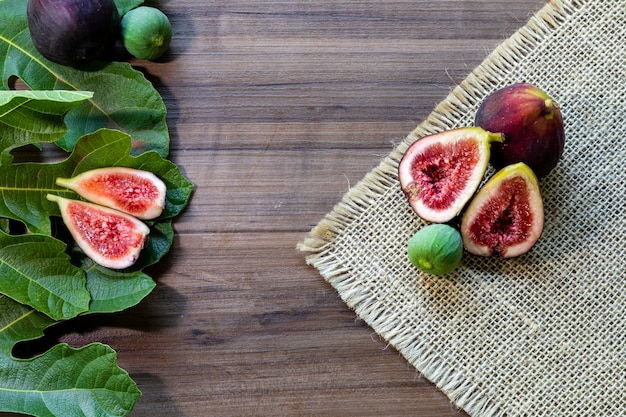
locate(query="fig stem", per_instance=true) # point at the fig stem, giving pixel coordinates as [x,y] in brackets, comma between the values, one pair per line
[496,137]
[551,106]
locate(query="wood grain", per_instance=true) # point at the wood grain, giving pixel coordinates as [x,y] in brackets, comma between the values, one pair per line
[277,108]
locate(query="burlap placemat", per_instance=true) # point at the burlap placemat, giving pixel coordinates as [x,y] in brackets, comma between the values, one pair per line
[539,335]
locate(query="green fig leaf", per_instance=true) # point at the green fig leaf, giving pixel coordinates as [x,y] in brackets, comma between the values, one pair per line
[108,147]
[105,114]
[18,323]
[112,291]
[159,243]
[63,381]
[25,185]
[122,99]
[34,270]
[23,193]
[67,382]
[28,117]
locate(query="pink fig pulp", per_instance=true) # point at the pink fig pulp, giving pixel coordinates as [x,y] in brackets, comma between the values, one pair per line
[440,173]
[111,238]
[133,191]
[506,217]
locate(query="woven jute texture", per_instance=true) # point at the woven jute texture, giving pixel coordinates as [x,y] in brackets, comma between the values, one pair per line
[543,334]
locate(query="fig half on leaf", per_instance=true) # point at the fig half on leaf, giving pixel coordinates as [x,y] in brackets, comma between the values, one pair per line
[111,238]
[440,173]
[133,191]
[506,217]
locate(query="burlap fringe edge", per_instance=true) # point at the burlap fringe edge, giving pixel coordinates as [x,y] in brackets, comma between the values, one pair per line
[319,243]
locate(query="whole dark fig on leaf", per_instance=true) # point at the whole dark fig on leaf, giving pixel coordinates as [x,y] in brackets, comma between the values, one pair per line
[440,173]
[505,218]
[70,32]
[532,124]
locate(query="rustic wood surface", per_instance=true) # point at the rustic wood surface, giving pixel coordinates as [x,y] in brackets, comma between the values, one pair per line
[276,108]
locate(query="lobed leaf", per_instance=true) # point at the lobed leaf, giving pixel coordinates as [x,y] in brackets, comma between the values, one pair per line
[28,117]
[24,186]
[122,99]
[112,291]
[67,382]
[34,270]
[19,322]
[92,112]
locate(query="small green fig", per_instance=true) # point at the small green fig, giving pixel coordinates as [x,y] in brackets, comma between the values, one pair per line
[436,249]
[146,32]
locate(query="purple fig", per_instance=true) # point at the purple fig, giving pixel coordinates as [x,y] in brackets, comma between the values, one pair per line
[440,173]
[506,217]
[532,125]
[70,32]
[111,238]
[133,191]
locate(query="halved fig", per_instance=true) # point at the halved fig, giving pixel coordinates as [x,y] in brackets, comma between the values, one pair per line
[133,191]
[111,238]
[440,173]
[506,217]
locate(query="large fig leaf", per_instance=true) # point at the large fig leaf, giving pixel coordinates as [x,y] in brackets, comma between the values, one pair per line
[35,116]
[25,185]
[108,147]
[35,271]
[62,381]
[122,97]
[18,323]
[67,382]
[114,291]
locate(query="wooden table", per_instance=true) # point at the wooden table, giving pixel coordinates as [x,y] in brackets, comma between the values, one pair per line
[276,108]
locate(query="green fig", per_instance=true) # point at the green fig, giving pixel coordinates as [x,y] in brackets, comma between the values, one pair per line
[436,249]
[146,32]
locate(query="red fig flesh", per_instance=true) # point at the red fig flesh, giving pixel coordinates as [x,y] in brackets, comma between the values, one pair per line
[506,217]
[111,238]
[532,125]
[136,192]
[440,173]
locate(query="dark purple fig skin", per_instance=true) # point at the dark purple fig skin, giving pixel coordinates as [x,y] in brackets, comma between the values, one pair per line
[71,32]
[532,125]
